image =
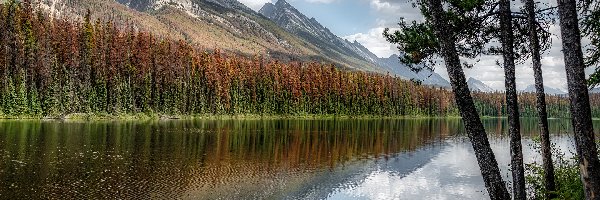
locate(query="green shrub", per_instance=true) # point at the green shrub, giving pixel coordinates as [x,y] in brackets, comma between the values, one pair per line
[566,174]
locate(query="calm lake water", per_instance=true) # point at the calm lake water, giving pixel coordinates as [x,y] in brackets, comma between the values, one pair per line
[252,159]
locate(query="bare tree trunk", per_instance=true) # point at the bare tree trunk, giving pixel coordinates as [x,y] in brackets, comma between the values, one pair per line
[579,97]
[477,135]
[516,149]
[534,46]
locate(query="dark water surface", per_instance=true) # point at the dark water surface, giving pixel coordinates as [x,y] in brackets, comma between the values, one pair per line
[252,159]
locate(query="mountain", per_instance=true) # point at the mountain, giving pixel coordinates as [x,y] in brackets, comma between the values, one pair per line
[309,29]
[477,85]
[393,65]
[279,31]
[213,24]
[547,90]
[227,25]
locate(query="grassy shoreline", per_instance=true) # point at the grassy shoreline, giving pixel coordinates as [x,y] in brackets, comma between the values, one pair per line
[156,116]
[159,116]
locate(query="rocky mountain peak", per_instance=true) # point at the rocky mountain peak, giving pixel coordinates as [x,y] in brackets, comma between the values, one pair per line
[282,4]
[268,9]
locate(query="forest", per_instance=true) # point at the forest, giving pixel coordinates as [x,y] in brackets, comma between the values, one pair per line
[52,67]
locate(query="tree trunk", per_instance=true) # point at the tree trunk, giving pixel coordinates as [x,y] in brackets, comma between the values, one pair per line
[579,97]
[534,46]
[516,149]
[477,135]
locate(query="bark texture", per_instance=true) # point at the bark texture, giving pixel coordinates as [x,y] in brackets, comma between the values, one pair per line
[477,135]
[579,97]
[534,47]
[516,149]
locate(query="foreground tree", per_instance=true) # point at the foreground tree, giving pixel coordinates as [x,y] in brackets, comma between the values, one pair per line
[590,16]
[516,149]
[535,49]
[579,97]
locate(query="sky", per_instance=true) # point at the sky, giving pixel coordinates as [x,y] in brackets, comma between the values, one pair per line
[365,20]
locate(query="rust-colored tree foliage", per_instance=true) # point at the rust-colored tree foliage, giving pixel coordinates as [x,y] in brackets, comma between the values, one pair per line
[53,66]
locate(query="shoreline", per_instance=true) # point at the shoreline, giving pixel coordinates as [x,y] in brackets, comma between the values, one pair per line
[145,116]
[155,116]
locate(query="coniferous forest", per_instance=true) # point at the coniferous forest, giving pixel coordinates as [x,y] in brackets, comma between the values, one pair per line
[51,67]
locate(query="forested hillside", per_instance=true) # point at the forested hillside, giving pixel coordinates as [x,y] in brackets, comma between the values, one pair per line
[51,67]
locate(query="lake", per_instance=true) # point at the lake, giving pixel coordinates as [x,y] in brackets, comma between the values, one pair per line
[253,159]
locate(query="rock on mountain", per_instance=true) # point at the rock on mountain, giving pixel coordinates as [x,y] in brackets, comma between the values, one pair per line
[309,29]
[547,90]
[477,85]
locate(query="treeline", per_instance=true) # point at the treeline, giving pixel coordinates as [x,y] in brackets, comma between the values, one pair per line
[53,66]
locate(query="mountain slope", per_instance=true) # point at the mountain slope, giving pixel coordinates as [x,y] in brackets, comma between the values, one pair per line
[309,29]
[477,85]
[224,24]
[393,65]
[233,27]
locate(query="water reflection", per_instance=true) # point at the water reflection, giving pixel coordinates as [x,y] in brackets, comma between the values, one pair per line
[232,159]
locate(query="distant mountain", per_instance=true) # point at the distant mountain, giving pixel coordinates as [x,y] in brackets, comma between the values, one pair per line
[393,65]
[309,29]
[547,90]
[477,85]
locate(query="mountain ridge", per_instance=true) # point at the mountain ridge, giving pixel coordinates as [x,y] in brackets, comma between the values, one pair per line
[309,29]
[233,27]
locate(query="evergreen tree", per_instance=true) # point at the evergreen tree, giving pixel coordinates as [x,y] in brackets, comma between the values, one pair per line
[580,102]
[535,49]
[508,55]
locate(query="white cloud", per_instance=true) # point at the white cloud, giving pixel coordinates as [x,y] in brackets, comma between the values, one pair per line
[255,4]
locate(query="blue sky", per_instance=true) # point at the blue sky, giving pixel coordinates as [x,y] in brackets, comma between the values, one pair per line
[360,20]
[342,18]
[364,21]
[338,15]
